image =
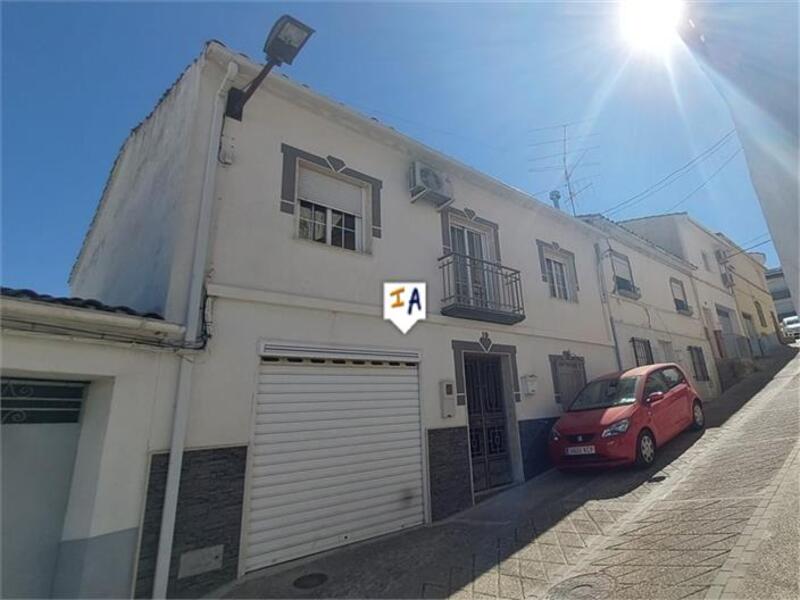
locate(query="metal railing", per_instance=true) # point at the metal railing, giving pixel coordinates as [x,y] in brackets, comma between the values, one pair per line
[479,289]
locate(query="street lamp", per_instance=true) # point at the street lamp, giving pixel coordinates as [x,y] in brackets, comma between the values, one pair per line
[285,40]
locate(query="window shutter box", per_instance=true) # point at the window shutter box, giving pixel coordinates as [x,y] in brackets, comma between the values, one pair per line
[332,192]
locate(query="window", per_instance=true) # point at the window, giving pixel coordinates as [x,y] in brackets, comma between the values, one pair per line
[330,183]
[556,275]
[679,296]
[471,281]
[604,393]
[330,210]
[706,262]
[558,271]
[623,276]
[642,352]
[666,350]
[655,383]
[327,226]
[673,377]
[698,363]
[760,312]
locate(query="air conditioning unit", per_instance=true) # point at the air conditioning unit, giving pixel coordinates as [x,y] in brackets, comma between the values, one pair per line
[721,255]
[727,279]
[427,183]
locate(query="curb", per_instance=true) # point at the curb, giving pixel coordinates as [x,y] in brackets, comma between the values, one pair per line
[729,581]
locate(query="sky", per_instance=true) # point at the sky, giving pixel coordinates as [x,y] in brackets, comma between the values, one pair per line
[487,84]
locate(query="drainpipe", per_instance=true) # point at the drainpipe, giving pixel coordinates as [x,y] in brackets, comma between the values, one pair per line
[606,304]
[183,394]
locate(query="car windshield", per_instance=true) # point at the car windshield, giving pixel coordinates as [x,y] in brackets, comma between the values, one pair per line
[604,393]
[791,321]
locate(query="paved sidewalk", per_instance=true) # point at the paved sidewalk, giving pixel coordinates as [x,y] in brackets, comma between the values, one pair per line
[692,526]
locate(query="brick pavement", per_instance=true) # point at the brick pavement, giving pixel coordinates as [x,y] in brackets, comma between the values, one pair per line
[685,528]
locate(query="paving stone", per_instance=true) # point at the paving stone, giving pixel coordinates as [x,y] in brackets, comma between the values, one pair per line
[679,538]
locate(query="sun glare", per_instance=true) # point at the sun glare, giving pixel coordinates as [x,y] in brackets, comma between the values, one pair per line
[650,25]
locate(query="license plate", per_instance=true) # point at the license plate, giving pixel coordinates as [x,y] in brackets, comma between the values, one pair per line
[580,450]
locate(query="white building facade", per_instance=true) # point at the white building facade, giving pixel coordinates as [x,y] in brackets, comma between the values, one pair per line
[653,305]
[321,423]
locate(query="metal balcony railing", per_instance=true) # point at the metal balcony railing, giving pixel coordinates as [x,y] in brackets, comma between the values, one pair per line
[481,290]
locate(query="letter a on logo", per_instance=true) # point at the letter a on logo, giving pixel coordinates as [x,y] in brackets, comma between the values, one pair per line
[404,304]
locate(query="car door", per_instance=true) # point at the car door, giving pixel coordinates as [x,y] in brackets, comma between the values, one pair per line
[658,409]
[679,403]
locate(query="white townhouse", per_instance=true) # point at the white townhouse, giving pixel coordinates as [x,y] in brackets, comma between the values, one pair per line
[652,305]
[713,282]
[301,420]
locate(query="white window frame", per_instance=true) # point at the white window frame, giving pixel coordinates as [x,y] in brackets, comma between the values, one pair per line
[562,291]
[618,257]
[361,221]
[553,252]
[487,241]
[672,282]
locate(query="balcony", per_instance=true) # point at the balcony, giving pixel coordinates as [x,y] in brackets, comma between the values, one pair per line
[480,290]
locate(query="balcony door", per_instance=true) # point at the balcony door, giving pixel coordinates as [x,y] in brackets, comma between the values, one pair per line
[473,283]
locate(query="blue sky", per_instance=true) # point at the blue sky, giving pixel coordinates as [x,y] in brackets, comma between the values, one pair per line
[483,83]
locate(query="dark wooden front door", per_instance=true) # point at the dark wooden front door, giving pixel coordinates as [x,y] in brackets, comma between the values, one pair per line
[488,437]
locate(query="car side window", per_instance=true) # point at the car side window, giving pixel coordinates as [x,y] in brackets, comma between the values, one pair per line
[655,383]
[673,377]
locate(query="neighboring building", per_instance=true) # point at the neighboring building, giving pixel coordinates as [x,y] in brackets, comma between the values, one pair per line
[753,299]
[652,303]
[82,386]
[736,338]
[314,421]
[689,240]
[784,307]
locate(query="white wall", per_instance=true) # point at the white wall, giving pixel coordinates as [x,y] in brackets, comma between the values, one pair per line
[108,483]
[682,237]
[138,250]
[37,469]
[255,245]
[653,315]
[225,378]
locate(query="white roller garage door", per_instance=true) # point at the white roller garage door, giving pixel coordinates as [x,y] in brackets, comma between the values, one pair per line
[337,456]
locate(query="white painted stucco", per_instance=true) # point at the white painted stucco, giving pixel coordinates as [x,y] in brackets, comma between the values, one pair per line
[139,246]
[124,385]
[685,238]
[652,316]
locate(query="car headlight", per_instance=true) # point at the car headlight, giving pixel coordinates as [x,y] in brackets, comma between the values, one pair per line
[554,434]
[617,428]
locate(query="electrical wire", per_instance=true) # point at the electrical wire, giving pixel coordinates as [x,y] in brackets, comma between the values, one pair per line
[743,250]
[669,178]
[703,184]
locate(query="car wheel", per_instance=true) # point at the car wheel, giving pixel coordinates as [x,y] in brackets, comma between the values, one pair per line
[698,416]
[645,449]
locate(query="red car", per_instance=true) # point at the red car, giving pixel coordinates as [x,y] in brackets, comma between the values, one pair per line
[622,418]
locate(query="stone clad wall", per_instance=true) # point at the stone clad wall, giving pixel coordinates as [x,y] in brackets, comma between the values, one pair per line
[209,515]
